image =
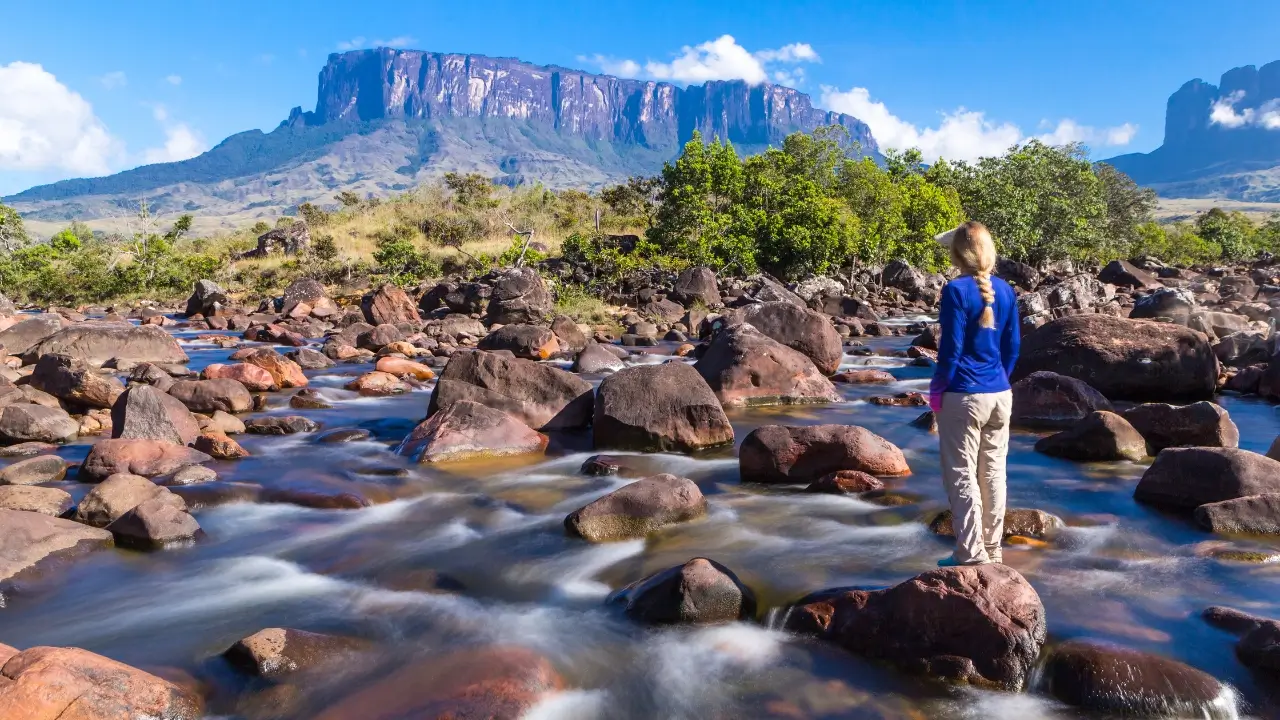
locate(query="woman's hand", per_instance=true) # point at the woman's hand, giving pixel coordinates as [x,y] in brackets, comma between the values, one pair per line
[935,402]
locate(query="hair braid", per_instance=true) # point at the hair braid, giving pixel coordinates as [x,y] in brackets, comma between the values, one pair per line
[988,317]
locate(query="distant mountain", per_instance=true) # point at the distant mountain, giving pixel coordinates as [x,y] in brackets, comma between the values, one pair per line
[1219,140]
[386,120]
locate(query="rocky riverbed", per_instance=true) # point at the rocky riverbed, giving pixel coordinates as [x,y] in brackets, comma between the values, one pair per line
[317,511]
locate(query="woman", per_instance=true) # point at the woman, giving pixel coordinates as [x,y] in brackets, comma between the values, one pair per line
[970,393]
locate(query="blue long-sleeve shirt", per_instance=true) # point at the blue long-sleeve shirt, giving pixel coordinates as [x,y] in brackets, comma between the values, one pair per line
[974,359]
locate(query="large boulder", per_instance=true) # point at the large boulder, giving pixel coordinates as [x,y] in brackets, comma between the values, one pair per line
[155,524]
[595,358]
[389,305]
[1123,273]
[96,342]
[31,541]
[1128,683]
[145,412]
[285,372]
[541,396]
[19,338]
[696,286]
[666,407]
[36,423]
[304,291]
[34,471]
[1100,436]
[698,592]
[118,494]
[50,683]
[69,379]
[207,396]
[519,295]
[530,342]
[467,430]
[1249,515]
[254,378]
[980,624]
[1123,359]
[30,498]
[745,367]
[489,682]
[1186,478]
[207,299]
[1171,304]
[147,458]
[762,288]
[571,338]
[801,329]
[1047,400]
[803,454]
[1202,424]
[637,509]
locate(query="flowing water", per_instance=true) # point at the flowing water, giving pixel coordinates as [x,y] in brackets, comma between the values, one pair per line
[477,555]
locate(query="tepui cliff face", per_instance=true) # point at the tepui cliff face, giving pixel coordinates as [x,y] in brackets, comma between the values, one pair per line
[387,119]
[1219,140]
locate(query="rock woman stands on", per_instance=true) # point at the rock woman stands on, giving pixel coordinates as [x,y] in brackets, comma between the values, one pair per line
[971,396]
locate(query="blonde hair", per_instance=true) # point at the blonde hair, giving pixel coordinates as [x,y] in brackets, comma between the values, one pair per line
[974,253]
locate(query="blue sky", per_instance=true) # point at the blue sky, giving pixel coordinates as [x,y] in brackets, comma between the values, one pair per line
[93,87]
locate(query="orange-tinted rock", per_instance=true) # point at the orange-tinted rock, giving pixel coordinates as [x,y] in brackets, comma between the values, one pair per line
[147,458]
[789,454]
[466,430]
[219,445]
[377,382]
[253,377]
[845,482]
[400,366]
[863,377]
[285,372]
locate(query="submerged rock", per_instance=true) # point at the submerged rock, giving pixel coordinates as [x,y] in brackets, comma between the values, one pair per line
[1130,683]
[1035,524]
[1248,515]
[666,407]
[978,624]
[845,482]
[796,454]
[281,425]
[637,509]
[277,652]
[698,592]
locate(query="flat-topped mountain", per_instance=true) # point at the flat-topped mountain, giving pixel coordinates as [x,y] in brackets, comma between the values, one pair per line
[388,119]
[1219,140]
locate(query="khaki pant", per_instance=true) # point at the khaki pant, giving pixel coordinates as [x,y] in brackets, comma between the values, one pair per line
[973,433]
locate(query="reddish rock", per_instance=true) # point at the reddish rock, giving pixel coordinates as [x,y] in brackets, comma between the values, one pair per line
[277,652]
[790,454]
[864,377]
[400,367]
[377,382]
[845,482]
[144,412]
[33,541]
[389,305]
[147,458]
[978,624]
[1100,436]
[1186,478]
[207,396]
[253,377]
[285,372]
[902,399]
[524,341]
[492,682]
[745,367]
[467,430]
[72,380]
[119,494]
[1202,424]
[801,329]
[637,509]
[1036,524]
[154,525]
[218,446]
[48,683]
[1052,401]
[1127,683]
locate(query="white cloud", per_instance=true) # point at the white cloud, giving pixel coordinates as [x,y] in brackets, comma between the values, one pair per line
[719,59]
[46,126]
[266,58]
[963,134]
[114,79]
[173,79]
[1224,113]
[358,42]
[180,140]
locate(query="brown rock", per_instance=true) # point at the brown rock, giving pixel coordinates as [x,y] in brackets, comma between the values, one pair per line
[1100,436]
[69,379]
[699,592]
[400,367]
[539,395]
[46,501]
[1202,424]
[1249,515]
[119,494]
[863,377]
[666,407]
[309,399]
[980,624]
[96,342]
[467,430]
[207,396]
[389,305]
[147,458]
[281,425]
[155,524]
[801,329]
[788,454]
[1126,682]
[520,295]
[524,341]
[285,372]
[377,382]
[277,652]
[568,334]
[637,509]
[745,367]
[34,471]
[218,446]
[22,423]
[30,542]
[902,399]
[1051,401]
[845,482]
[1186,478]
[1036,524]
[144,412]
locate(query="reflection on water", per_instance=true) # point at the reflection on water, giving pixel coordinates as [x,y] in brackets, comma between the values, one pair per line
[477,555]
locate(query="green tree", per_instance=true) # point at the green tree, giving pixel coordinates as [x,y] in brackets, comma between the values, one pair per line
[13,234]
[636,198]
[701,195]
[1129,208]
[472,190]
[1233,232]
